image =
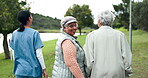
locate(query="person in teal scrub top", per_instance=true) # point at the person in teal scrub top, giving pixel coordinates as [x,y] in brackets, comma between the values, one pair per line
[27,46]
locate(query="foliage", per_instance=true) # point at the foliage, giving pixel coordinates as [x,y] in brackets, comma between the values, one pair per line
[82,14]
[122,13]
[45,22]
[139,61]
[8,21]
[8,14]
[140,15]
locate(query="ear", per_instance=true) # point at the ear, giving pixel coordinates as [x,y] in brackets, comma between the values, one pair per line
[30,18]
[99,23]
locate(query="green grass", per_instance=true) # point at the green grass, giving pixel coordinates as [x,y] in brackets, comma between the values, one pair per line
[139,61]
[140,54]
[49,55]
[6,67]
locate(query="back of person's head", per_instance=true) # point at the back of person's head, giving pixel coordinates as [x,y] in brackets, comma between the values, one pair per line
[106,18]
[23,17]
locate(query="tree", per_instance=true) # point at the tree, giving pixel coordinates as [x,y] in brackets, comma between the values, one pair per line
[140,15]
[122,13]
[8,21]
[82,14]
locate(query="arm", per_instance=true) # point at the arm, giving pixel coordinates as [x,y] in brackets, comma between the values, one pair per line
[69,52]
[89,53]
[41,61]
[127,56]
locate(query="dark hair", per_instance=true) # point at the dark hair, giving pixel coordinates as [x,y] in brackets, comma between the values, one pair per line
[23,17]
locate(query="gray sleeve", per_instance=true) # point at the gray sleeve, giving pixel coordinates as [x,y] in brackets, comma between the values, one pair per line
[127,56]
[89,54]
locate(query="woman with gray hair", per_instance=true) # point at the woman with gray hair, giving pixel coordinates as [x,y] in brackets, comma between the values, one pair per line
[69,58]
[107,52]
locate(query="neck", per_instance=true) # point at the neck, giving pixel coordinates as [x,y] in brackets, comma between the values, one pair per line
[100,26]
[27,26]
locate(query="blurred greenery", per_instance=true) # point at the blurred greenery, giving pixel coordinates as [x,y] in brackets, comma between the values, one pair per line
[139,64]
[140,14]
[45,22]
[122,14]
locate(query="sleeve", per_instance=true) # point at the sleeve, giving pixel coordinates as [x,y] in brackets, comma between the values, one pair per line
[37,41]
[127,56]
[40,57]
[89,53]
[69,52]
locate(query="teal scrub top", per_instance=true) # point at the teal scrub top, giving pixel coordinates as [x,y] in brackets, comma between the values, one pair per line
[25,45]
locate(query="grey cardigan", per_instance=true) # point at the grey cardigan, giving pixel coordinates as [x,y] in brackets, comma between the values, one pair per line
[60,70]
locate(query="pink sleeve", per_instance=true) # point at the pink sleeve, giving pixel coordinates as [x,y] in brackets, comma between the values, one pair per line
[69,52]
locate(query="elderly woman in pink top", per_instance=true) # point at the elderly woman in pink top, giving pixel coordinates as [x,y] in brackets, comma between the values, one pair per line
[69,58]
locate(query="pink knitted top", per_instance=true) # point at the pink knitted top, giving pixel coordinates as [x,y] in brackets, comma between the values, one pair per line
[69,52]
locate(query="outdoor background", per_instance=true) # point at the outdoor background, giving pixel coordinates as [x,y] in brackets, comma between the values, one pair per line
[46,19]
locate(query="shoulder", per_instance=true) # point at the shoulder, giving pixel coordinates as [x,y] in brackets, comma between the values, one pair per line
[66,41]
[32,32]
[35,32]
[67,44]
[63,37]
[15,31]
[91,34]
[120,33]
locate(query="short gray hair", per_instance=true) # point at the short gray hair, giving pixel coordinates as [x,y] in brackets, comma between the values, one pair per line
[106,18]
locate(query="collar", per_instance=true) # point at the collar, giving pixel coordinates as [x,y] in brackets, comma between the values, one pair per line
[105,27]
[73,37]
